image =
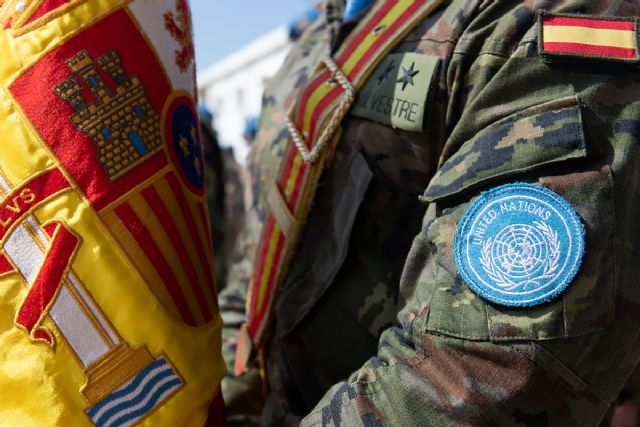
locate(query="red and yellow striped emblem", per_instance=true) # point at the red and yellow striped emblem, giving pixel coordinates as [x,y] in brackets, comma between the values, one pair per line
[385,25]
[109,311]
[590,37]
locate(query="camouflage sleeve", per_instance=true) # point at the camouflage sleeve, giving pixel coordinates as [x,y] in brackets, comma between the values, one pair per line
[456,358]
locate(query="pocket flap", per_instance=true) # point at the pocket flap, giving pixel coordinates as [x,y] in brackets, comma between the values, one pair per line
[547,133]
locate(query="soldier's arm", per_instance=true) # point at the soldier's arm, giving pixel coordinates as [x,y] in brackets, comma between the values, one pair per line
[570,126]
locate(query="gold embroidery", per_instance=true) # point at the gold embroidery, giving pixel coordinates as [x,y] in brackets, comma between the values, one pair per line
[18,14]
[122,123]
[117,367]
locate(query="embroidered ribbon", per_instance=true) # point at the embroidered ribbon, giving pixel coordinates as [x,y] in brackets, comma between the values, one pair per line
[317,113]
[19,203]
[45,287]
[24,199]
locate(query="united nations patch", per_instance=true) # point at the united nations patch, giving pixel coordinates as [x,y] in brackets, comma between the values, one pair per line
[519,245]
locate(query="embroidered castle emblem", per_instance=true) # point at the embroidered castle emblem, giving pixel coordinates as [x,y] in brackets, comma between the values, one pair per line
[519,245]
[119,120]
[146,202]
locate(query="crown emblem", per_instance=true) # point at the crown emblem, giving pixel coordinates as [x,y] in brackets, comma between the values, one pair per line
[119,120]
[22,16]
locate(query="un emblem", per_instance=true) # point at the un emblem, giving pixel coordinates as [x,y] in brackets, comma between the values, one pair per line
[519,245]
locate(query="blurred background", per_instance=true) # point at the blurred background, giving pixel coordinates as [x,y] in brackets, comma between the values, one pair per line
[239,45]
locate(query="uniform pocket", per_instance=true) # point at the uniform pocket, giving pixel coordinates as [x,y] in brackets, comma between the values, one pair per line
[547,133]
[528,146]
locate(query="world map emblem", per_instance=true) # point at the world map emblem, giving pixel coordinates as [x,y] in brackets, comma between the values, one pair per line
[519,245]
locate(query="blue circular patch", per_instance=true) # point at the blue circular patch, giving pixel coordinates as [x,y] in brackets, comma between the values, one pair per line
[186,144]
[519,245]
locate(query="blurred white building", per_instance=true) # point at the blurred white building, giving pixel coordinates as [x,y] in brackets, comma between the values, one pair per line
[232,88]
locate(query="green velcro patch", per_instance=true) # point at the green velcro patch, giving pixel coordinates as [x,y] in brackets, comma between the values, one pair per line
[396,92]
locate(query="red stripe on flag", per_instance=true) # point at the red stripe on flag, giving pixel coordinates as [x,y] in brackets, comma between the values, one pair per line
[371,24]
[589,49]
[290,156]
[308,91]
[384,38]
[319,109]
[5,265]
[331,96]
[589,23]
[191,225]
[257,278]
[205,223]
[299,120]
[272,278]
[45,286]
[164,216]
[322,106]
[140,233]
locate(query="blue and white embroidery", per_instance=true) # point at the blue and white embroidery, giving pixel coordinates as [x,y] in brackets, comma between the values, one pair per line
[137,398]
[519,245]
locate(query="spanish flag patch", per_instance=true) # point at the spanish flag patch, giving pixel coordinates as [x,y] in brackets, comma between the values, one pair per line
[589,37]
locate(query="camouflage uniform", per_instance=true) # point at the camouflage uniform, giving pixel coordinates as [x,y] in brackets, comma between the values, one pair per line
[495,113]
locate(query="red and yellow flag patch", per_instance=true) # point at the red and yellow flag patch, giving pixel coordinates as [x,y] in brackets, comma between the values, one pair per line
[589,37]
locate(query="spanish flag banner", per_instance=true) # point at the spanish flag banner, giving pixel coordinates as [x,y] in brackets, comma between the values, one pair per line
[108,309]
[589,37]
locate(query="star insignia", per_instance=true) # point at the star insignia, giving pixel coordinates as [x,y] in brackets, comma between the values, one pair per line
[385,74]
[408,76]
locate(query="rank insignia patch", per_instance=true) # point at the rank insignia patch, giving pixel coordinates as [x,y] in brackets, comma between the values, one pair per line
[589,37]
[396,92]
[519,245]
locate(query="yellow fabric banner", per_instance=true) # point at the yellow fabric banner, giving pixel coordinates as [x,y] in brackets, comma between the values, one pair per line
[108,312]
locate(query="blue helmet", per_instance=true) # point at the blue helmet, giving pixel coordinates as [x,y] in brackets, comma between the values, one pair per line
[250,127]
[206,116]
[354,7]
[298,25]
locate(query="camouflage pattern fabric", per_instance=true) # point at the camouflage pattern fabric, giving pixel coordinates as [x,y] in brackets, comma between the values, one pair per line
[361,297]
[244,394]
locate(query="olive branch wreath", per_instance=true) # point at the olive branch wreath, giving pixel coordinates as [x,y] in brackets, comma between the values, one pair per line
[550,267]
